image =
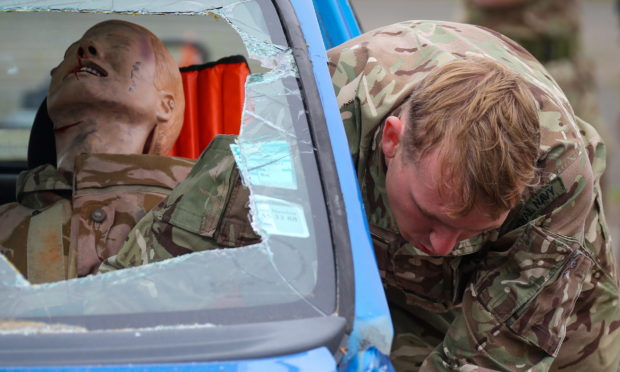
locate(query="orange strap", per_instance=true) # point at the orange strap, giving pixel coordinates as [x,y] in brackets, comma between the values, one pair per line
[214,96]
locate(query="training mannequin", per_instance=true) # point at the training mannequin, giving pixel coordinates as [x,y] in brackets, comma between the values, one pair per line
[116,103]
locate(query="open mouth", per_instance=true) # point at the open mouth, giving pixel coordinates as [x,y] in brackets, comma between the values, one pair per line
[91,68]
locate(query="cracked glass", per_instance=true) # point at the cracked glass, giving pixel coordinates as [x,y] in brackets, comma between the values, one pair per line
[292,265]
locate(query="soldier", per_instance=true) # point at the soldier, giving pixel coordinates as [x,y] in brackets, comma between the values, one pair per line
[482,193]
[116,103]
[538,292]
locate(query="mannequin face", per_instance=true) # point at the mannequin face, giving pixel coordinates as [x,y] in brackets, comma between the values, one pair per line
[102,97]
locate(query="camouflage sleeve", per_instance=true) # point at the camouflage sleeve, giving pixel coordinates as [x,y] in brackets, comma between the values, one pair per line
[209,210]
[366,90]
[344,83]
[152,240]
[515,317]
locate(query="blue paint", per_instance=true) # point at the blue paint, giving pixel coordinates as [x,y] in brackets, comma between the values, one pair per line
[337,21]
[319,359]
[370,359]
[372,325]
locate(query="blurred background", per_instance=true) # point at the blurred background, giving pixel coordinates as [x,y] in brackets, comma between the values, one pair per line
[599,41]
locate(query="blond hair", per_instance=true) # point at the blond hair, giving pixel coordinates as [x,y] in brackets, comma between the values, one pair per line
[483,120]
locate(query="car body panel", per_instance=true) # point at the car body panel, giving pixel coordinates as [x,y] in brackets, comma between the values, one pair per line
[372,324]
[319,359]
[337,21]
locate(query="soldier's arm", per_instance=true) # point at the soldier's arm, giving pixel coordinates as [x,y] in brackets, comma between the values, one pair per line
[151,241]
[208,210]
[496,331]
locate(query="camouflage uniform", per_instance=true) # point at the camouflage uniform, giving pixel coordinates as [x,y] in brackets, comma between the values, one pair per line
[541,292]
[549,29]
[57,231]
[209,210]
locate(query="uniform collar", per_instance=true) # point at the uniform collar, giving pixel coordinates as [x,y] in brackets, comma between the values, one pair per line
[41,186]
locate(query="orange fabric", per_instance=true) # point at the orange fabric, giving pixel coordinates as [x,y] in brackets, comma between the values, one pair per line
[214,95]
[189,55]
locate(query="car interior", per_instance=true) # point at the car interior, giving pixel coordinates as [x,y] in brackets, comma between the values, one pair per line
[213,73]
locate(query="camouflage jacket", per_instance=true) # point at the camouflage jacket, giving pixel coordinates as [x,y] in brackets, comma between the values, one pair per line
[57,230]
[539,293]
[209,210]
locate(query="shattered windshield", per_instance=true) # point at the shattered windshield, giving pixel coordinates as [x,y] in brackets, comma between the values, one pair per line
[291,269]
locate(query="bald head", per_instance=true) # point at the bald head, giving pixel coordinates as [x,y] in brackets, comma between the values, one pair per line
[117,90]
[168,79]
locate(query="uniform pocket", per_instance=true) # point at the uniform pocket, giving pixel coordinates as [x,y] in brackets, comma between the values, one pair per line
[197,204]
[532,288]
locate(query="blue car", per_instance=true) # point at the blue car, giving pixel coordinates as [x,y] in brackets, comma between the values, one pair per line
[307,298]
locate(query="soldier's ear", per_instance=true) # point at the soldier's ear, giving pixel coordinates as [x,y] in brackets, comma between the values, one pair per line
[165,108]
[393,129]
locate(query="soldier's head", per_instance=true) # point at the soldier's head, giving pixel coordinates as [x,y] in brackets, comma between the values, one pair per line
[460,153]
[117,90]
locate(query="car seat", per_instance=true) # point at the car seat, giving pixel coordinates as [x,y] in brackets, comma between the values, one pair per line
[41,144]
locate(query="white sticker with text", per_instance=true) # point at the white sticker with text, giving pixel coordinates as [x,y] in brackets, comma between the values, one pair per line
[280,217]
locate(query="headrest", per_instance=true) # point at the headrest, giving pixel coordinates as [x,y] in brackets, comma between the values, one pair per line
[42,145]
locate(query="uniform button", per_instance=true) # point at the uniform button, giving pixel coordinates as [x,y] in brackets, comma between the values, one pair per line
[98,215]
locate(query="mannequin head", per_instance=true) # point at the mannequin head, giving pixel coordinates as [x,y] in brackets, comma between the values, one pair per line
[117,90]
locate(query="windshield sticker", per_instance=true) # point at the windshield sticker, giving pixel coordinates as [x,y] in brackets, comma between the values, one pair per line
[268,164]
[280,217]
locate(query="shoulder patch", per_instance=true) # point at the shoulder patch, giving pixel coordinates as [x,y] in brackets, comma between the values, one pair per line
[533,207]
